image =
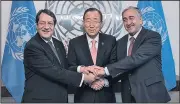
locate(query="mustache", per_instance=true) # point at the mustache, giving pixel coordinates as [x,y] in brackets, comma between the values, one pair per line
[129,25]
[45,29]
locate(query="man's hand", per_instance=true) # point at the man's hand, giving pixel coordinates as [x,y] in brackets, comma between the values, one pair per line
[98,84]
[89,78]
[85,69]
[98,71]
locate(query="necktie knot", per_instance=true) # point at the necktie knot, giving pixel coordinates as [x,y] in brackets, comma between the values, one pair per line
[50,43]
[132,39]
[93,43]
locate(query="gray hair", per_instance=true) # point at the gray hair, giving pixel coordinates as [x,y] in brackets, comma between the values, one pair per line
[135,8]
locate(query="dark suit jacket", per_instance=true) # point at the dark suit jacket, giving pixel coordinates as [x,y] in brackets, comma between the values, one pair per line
[46,78]
[79,54]
[143,68]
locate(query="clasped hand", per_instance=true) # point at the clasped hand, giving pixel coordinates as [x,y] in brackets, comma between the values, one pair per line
[93,75]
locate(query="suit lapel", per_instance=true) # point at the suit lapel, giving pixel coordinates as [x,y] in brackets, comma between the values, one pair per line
[124,46]
[101,50]
[46,47]
[139,39]
[44,44]
[59,51]
[86,50]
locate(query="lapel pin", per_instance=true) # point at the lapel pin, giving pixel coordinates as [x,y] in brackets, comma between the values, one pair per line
[102,43]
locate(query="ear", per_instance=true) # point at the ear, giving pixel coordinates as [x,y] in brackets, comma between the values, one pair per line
[141,21]
[36,26]
[83,24]
[82,27]
[101,25]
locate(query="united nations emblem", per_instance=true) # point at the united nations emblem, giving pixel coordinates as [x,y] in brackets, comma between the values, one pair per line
[154,21]
[69,16]
[21,26]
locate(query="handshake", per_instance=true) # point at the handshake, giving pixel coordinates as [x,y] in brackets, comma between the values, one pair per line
[93,75]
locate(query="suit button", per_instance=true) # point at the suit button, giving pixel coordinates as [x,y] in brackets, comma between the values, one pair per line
[129,88]
[129,74]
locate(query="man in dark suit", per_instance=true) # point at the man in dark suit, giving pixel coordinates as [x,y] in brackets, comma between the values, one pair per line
[92,48]
[45,65]
[139,62]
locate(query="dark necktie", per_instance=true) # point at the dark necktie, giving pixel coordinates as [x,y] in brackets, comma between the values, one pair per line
[132,39]
[53,49]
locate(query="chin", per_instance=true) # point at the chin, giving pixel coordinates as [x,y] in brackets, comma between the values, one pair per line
[91,34]
[46,37]
[131,31]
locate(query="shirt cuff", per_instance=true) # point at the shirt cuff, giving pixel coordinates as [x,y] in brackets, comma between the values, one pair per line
[82,80]
[106,83]
[106,71]
[78,69]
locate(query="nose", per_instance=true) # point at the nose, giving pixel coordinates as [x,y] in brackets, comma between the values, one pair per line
[91,25]
[46,26]
[128,22]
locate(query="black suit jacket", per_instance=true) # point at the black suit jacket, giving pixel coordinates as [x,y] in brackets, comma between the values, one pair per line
[79,54]
[143,68]
[46,78]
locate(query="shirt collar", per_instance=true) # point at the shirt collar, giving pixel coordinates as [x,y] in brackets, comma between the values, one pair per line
[47,40]
[90,39]
[135,36]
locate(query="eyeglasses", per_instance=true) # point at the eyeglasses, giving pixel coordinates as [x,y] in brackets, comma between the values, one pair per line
[50,24]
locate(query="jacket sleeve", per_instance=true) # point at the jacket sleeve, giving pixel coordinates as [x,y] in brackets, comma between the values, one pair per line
[36,60]
[149,48]
[112,59]
[113,54]
[71,57]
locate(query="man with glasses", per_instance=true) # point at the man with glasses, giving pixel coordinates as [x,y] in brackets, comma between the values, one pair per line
[45,65]
[91,49]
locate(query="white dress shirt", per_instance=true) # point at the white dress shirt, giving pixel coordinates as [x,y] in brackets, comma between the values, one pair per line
[49,40]
[128,44]
[129,36]
[106,83]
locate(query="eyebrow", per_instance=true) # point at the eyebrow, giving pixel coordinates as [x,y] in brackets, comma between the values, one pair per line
[128,17]
[46,21]
[131,16]
[91,18]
